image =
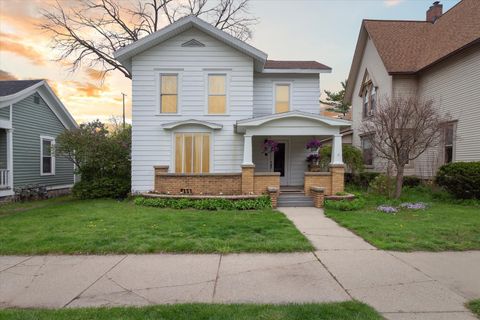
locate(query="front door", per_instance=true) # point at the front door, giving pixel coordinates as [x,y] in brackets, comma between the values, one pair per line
[280,163]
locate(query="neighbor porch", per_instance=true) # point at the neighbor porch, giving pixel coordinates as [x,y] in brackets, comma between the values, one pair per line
[6,159]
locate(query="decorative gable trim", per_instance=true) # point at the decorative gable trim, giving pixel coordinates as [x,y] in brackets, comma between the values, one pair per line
[193,43]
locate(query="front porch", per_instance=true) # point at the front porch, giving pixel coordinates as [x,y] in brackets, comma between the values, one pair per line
[267,173]
[6,160]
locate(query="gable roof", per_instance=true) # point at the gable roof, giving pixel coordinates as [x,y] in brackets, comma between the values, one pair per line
[9,87]
[13,91]
[408,47]
[124,55]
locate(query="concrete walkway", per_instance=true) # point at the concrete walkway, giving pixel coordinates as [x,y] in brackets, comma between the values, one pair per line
[344,267]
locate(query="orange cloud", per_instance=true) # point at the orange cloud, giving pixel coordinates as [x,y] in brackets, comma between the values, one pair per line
[88,89]
[20,49]
[95,74]
[4,75]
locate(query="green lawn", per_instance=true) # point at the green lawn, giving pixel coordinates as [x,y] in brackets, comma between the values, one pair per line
[443,226]
[328,311]
[474,305]
[107,226]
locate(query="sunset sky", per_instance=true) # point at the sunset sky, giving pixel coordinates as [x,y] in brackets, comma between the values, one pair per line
[322,30]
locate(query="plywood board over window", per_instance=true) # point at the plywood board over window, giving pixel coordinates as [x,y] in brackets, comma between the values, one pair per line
[192,152]
[168,93]
[217,93]
[282,98]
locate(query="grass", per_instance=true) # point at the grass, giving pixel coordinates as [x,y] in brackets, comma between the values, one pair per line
[442,226]
[67,226]
[474,305]
[328,311]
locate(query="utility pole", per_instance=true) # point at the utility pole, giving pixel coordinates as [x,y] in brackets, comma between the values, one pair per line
[123,96]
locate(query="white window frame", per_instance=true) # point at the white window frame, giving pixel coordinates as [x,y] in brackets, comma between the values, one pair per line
[274,94]
[363,138]
[227,91]
[52,140]
[192,130]
[158,90]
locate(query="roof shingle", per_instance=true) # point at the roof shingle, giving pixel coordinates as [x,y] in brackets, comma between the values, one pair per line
[285,64]
[410,46]
[9,87]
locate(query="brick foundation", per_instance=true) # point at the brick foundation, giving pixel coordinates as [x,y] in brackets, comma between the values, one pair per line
[319,179]
[263,180]
[248,179]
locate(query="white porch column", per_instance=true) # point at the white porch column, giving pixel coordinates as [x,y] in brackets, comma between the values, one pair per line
[247,150]
[337,157]
[10,155]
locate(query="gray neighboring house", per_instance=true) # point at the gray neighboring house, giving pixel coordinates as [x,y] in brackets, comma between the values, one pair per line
[31,117]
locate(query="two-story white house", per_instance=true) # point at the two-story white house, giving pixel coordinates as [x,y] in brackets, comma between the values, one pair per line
[203,105]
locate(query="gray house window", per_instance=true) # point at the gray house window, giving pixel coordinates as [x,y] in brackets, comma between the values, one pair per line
[47,156]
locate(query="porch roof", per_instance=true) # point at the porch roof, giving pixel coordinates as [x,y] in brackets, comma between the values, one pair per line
[291,123]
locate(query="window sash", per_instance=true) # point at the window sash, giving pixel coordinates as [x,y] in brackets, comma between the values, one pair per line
[282,99]
[47,157]
[168,93]
[217,93]
[367,151]
[192,152]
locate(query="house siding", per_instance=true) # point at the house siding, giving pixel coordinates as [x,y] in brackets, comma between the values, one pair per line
[454,86]
[151,145]
[30,121]
[5,113]
[305,89]
[372,62]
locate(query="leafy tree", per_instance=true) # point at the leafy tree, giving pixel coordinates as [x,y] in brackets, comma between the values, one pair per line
[88,32]
[101,157]
[336,100]
[352,157]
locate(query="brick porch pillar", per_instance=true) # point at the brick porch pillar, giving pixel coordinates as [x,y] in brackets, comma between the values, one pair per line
[248,176]
[338,179]
[318,194]
[158,176]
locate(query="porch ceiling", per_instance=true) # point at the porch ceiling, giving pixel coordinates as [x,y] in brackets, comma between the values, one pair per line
[293,123]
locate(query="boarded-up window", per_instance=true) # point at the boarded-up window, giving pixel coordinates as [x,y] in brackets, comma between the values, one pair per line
[192,152]
[168,93]
[217,94]
[282,98]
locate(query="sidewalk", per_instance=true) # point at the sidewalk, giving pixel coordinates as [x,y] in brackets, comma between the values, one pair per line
[400,285]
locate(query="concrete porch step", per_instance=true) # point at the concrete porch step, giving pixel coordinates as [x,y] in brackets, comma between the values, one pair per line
[294,200]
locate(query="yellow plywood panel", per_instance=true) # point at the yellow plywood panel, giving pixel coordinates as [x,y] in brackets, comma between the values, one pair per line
[197,153]
[216,84]
[206,154]
[281,107]
[188,144]
[282,98]
[169,104]
[169,84]
[217,104]
[178,153]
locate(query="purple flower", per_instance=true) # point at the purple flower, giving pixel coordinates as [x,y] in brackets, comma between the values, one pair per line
[270,146]
[414,206]
[387,209]
[313,158]
[313,144]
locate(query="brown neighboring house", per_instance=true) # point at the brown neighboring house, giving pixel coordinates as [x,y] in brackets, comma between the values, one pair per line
[438,59]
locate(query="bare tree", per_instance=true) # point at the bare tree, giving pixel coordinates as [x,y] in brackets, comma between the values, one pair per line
[401,129]
[89,31]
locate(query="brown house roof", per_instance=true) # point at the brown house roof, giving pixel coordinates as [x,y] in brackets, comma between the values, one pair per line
[410,46]
[283,64]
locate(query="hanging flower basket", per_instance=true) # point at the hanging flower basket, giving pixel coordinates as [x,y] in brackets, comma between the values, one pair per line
[313,145]
[270,146]
[313,158]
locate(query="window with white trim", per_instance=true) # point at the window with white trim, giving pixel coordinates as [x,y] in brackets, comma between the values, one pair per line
[282,97]
[47,156]
[192,152]
[169,93]
[217,93]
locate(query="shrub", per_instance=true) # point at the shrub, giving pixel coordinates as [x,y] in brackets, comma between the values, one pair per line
[103,187]
[206,204]
[352,157]
[411,181]
[361,180]
[461,179]
[346,205]
[382,185]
